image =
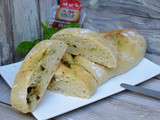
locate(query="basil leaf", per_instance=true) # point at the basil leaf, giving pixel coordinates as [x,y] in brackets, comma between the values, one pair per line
[72,25]
[47,31]
[36,41]
[24,47]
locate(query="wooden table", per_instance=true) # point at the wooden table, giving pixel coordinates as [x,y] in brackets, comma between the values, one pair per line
[20,20]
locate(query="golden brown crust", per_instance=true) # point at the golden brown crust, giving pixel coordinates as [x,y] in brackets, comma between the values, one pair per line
[73,81]
[125,46]
[131,50]
[35,74]
[89,45]
[98,71]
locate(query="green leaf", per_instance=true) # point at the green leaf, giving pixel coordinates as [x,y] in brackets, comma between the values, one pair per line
[72,25]
[48,31]
[36,41]
[24,47]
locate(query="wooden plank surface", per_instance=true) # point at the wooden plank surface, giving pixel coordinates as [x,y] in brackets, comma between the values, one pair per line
[26,24]
[111,109]
[46,12]
[140,100]
[6,44]
[7,113]
[109,20]
[141,8]
[143,15]
[46,7]
[23,20]
[4,88]
[20,20]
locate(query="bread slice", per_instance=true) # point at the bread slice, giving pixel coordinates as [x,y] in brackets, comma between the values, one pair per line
[73,81]
[35,74]
[81,42]
[131,49]
[68,59]
[100,73]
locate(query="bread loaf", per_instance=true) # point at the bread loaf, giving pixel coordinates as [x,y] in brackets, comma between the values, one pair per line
[131,50]
[35,74]
[73,80]
[90,60]
[98,71]
[81,42]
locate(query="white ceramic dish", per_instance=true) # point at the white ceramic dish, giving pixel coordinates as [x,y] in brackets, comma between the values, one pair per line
[56,104]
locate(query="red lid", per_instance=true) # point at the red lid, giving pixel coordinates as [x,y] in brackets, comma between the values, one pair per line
[71,4]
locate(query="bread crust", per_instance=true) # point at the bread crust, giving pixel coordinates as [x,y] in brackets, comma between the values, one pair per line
[73,81]
[89,45]
[131,48]
[35,74]
[98,71]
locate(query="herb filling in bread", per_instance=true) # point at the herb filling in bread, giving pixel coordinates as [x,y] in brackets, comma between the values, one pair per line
[35,74]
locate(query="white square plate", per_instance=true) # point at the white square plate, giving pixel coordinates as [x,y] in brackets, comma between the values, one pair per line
[56,104]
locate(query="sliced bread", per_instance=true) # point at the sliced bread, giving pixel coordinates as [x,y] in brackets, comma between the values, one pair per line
[89,45]
[73,80]
[131,50]
[35,74]
[100,73]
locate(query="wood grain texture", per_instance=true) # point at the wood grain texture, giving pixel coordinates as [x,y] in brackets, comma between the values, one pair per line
[143,15]
[141,8]
[156,59]
[20,20]
[6,43]
[26,24]
[45,12]
[111,109]
[46,7]
[5,92]
[7,113]
[153,57]
[140,100]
